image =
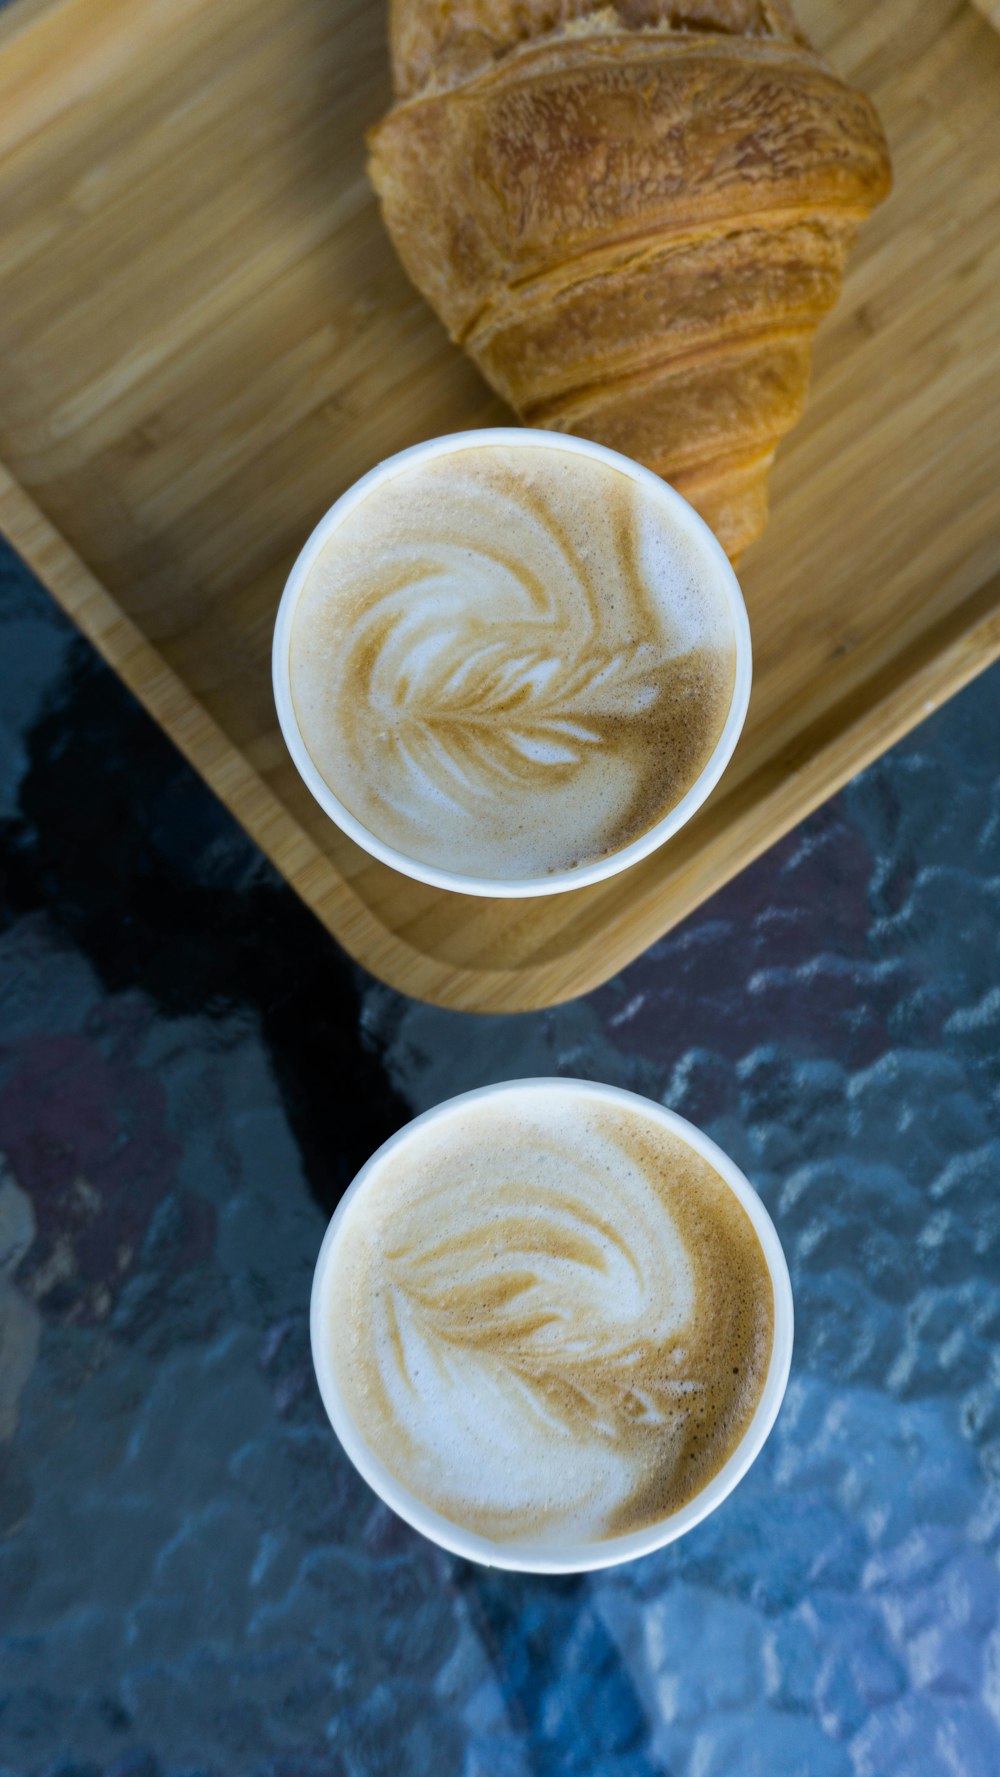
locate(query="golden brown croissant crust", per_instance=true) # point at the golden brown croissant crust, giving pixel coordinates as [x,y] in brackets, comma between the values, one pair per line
[633,218]
[437,42]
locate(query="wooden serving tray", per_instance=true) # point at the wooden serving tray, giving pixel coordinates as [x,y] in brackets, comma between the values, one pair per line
[205,336]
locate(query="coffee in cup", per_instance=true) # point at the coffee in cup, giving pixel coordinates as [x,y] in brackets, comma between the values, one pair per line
[510,658]
[551,1324]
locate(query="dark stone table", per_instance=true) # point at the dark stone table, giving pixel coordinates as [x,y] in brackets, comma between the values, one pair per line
[193,1579]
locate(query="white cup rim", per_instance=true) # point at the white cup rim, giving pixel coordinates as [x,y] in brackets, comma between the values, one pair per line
[584,1557]
[510,888]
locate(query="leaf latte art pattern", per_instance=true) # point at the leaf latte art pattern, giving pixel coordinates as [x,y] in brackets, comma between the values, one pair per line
[554,1319]
[500,665]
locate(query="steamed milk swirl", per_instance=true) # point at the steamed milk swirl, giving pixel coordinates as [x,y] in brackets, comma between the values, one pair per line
[508,661]
[550,1318]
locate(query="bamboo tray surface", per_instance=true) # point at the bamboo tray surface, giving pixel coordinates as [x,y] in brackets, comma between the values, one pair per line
[205,336]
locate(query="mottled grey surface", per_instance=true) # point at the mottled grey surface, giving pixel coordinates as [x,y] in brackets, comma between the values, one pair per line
[193,1579]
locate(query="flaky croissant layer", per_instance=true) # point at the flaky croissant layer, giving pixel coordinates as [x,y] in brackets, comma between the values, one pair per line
[632,217]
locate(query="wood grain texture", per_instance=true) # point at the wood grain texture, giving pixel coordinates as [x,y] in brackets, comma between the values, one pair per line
[205,336]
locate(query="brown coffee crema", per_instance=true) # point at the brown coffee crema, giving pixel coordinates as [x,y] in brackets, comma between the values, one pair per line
[509,660]
[550,1318]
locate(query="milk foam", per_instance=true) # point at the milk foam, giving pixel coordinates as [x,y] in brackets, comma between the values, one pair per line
[549,1317]
[509,660]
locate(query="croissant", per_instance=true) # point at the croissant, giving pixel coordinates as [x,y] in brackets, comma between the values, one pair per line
[633,216]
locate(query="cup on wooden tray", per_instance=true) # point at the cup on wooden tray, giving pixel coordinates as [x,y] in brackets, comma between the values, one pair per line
[511,662]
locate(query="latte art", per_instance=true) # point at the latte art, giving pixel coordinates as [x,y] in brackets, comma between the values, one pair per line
[550,1318]
[506,662]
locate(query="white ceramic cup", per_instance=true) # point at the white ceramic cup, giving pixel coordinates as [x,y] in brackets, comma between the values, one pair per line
[680,516]
[535,1558]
